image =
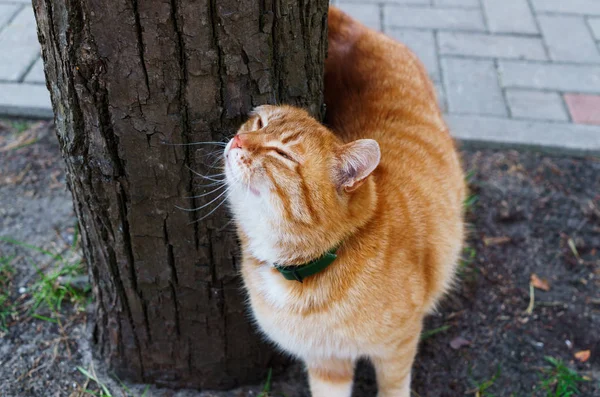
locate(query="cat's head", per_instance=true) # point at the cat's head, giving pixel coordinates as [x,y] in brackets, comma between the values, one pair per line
[294,188]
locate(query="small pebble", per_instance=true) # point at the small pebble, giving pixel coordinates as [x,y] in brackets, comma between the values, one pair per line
[22,290]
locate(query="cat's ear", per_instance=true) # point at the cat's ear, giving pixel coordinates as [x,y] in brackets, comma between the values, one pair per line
[355,162]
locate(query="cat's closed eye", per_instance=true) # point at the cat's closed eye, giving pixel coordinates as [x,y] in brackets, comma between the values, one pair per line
[283,154]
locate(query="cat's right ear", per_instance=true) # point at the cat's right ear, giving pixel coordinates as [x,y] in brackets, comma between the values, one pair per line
[354,163]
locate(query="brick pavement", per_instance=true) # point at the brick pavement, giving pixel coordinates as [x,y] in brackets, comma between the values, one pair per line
[517,72]
[22,88]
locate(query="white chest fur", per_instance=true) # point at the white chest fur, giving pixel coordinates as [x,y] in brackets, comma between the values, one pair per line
[277,310]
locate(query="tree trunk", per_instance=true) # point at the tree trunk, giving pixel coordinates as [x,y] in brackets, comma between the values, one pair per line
[125,77]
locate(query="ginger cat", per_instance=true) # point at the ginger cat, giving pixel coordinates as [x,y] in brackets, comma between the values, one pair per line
[382,187]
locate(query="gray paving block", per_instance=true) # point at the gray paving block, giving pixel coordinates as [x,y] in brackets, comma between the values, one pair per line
[7,11]
[472,87]
[456,3]
[594,24]
[492,46]
[537,105]
[568,38]
[369,14]
[36,74]
[25,100]
[19,44]
[509,16]
[422,43]
[550,76]
[501,132]
[433,18]
[441,96]
[581,7]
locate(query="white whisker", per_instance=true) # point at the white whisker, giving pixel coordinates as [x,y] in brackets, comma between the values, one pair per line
[213,210]
[206,194]
[223,144]
[210,178]
[205,205]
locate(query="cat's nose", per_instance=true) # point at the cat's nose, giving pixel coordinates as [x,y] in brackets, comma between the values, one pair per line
[237,142]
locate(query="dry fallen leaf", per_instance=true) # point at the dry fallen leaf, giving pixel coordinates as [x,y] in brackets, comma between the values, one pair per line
[582,356]
[496,240]
[459,342]
[539,283]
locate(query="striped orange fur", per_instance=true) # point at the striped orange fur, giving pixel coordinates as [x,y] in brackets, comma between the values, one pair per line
[383,180]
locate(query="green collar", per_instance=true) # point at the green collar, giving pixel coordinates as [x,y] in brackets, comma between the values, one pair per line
[300,272]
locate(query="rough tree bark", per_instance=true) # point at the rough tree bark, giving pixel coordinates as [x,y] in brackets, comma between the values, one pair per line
[125,77]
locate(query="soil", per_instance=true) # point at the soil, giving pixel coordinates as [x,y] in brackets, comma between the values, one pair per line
[535,214]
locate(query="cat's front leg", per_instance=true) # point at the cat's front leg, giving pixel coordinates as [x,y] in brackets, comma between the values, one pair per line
[330,377]
[393,370]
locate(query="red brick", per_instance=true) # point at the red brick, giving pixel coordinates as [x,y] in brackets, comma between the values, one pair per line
[584,109]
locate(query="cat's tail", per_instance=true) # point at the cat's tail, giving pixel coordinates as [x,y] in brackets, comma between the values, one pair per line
[343,31]
[340,65]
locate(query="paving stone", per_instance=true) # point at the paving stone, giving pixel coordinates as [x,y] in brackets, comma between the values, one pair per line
[36,74]
[433,18]
[6,13]
[581,7]
[550,136]
[537,105]
[441,96]
[568,38]
[472,87]
[509,16]
[456,3]
[25,100]
[584,109]
[549,76]
[19,44]
[369,14]
[422,42]
[594,24]
[492,46]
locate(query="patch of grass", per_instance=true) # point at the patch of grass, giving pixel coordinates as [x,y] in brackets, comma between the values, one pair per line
[430,333]
[104,392]
[52,289]
[56,284]
[7,308]
[472,199]
[470,202]
[465,262]
[481,388]
[267,387]
[20,126]
[559,380]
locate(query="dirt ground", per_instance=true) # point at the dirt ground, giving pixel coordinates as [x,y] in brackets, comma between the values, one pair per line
[534,214]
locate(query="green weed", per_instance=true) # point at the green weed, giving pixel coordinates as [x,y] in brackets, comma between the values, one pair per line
[559,380]
[472,199]
[55,285]
[20,126]
[104,392]
[267,387]
[465,263]
[52,289]
[481,389]
[7,308]
[429,333]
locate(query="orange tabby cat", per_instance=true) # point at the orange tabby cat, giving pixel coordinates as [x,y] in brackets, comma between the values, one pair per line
[383,185]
